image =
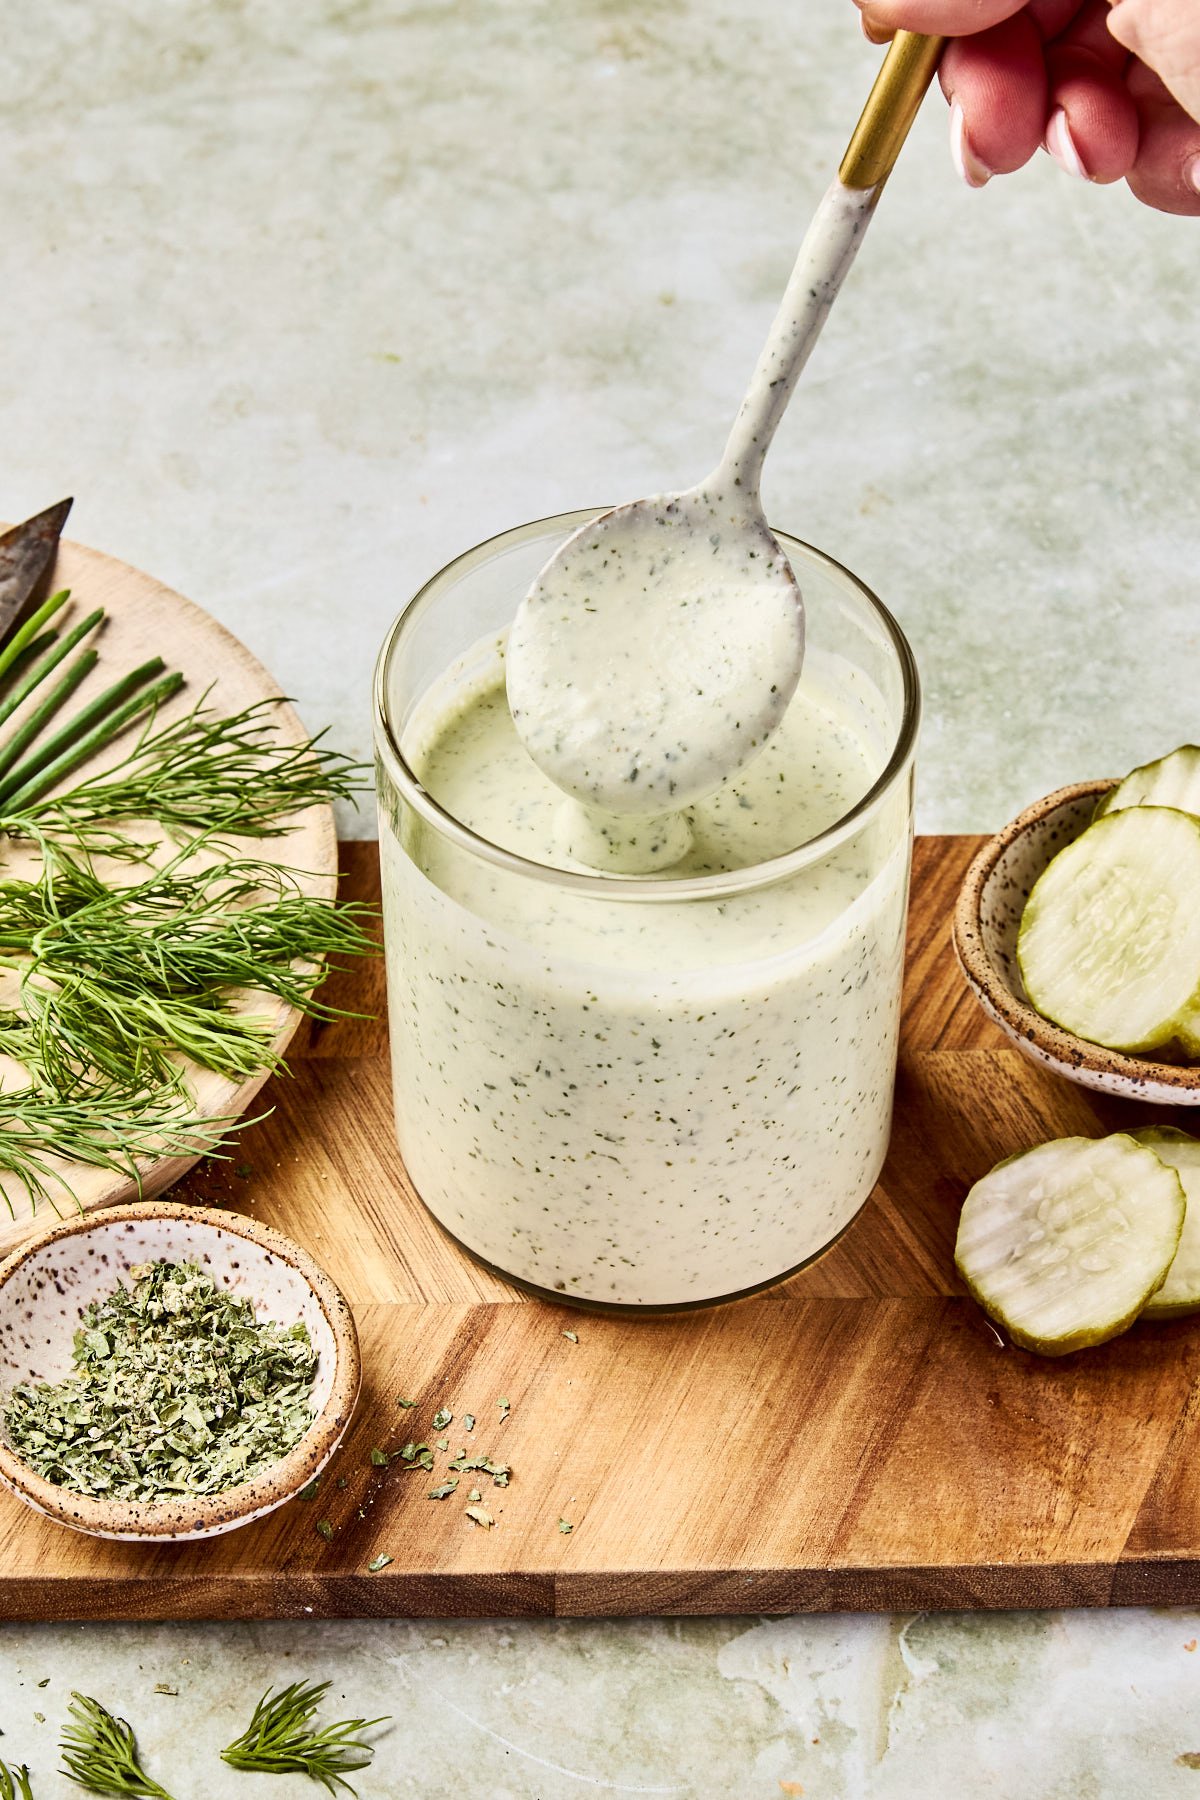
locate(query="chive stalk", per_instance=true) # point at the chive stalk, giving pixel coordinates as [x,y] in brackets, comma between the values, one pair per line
[22,638]
[38,774]
[49,663]
[38,720]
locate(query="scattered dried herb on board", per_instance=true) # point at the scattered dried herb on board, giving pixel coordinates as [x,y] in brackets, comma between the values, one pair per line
[178,1388]
[280,1738]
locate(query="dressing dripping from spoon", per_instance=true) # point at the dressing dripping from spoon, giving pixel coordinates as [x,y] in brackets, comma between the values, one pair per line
[660,646]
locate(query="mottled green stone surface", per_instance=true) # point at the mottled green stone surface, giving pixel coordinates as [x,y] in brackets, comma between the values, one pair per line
[301,297]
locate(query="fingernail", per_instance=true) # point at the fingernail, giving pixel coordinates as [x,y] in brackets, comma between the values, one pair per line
[975,173]
[1061,146]
[1191,174]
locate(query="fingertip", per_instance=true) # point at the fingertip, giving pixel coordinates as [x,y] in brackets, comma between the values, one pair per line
[998,78]
[1166,174]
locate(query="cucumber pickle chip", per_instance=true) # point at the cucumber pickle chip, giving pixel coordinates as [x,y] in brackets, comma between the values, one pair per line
[1109,942]
[1180,1292]
[1064,1244]
[1173,780]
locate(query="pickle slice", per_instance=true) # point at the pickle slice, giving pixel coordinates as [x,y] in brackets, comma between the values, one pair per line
[1173,780]
[1064,1244]
[1180,1292]
[1109,944]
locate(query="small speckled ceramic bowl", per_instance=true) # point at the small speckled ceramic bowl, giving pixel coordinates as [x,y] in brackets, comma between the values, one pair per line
[45,1286]
[986,919]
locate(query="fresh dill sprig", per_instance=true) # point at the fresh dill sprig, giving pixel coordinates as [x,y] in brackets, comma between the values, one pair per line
[118,980]
[14,1782]
[203,773]
[123,984]
[99,1751]
[100,1126]
[280,1739]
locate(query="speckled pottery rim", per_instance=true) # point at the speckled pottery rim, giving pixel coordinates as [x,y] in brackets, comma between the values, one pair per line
[991,880]
[181,1519]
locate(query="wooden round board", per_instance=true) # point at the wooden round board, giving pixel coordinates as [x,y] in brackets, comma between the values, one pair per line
[145,619]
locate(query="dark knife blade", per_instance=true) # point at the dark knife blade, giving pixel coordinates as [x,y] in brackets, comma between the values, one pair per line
[25,555]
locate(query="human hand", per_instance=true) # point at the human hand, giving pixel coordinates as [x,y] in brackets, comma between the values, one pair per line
[1113,93]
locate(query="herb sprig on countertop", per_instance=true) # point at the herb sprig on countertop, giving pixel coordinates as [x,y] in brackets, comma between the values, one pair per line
[178,1388]
[14,1782]
[100,1752]
[281,1738]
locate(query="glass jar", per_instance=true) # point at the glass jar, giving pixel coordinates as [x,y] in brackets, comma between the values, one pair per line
[631,1091]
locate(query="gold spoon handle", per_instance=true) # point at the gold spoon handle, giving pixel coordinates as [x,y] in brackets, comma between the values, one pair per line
[908,68]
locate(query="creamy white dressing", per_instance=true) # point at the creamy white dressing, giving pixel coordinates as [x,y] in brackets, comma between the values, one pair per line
[640,1102]
[659,648]
[608,1092]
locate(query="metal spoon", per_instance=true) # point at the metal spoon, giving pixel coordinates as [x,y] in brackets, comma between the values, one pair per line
[660,646]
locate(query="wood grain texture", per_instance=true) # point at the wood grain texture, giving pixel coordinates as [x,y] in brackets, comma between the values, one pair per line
[142,619]
[855,1438]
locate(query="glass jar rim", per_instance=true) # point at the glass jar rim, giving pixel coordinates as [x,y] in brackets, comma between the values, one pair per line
[611,885]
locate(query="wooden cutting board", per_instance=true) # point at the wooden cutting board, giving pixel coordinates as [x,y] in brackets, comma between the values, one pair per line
[855,1438]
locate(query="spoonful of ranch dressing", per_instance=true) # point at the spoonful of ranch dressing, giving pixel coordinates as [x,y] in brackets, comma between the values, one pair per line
[659,648]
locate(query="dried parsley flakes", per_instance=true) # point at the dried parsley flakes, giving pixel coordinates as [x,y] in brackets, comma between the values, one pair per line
[178,1389]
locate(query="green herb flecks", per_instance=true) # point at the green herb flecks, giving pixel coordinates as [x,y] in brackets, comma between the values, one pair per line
[441,1418]
[400,1401]
[379,1458]
[380,1562]
[500,1473]
[324,1528]
[572,1337]
[479,1515]
[416,1456]
[443,1490]
[99,1751]
[565,1526]
[505,1408]
[178,1389]
[280,1738]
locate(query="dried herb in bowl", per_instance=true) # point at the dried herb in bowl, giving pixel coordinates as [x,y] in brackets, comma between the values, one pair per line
[178,1388]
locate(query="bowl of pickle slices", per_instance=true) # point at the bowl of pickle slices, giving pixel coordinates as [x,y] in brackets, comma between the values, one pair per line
[1078,929]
